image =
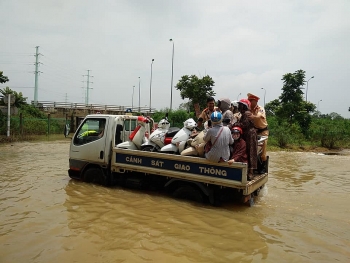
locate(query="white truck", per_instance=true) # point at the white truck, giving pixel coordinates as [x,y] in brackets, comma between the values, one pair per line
[94,158]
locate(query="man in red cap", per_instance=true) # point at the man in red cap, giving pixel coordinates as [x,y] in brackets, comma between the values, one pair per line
[260,123]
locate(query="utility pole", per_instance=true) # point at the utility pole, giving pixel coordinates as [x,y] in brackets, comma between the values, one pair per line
[88,86]
[172,76]
[132,98]
[264,96]
[139,95]
[150,90]
[36,74]
[8,115]
[307,86]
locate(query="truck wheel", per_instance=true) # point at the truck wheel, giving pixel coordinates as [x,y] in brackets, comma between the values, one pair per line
[251,201]
[95,176]
[189,193]
[256,192]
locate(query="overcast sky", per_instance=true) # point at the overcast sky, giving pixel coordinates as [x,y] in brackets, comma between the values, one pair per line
[245,46]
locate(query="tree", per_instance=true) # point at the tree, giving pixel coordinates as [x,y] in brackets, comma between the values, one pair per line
[292,106]
[19,99]
[185,106]
[272,107]
[3,78]
[196,90]
[335,116]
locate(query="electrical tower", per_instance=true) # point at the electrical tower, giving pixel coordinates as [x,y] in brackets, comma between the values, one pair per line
[36,75]
[87,86]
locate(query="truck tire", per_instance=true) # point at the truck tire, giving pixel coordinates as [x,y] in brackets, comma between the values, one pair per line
[256,192]
[94,175]
[189,193]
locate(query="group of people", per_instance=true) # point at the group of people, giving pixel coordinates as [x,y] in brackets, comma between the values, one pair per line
[235,127]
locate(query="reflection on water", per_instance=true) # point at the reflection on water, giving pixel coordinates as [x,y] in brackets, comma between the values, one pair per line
[46,217]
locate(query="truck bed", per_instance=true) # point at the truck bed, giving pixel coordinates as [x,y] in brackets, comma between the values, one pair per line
[187,168]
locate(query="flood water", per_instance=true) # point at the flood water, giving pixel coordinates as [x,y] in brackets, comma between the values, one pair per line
[302,215]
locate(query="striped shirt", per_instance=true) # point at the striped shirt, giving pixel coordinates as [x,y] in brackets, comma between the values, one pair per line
[221,147]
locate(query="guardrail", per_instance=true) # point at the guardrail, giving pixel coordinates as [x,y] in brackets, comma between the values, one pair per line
[94,107]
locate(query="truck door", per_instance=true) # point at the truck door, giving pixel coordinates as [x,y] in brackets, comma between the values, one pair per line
[89,143]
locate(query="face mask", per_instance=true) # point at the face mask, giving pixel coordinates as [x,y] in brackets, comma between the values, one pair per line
[236,136]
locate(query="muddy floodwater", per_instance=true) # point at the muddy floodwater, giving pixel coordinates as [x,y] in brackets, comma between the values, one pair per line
[302,215]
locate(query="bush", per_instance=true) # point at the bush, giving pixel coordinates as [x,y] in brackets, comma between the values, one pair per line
[330,133]
[282,134]
[176,117]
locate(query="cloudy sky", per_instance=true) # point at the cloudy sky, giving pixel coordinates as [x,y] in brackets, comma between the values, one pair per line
[245,46]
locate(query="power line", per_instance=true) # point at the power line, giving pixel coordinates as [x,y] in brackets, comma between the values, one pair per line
[62,77]
[16,70]
[63,72]
[15,54]
[61,65]
[14,87]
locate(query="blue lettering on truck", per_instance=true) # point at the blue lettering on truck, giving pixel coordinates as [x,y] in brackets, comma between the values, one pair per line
[186,167]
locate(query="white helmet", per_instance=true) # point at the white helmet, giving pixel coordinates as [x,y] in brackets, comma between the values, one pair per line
[164,124]
[234,103]
[190,124]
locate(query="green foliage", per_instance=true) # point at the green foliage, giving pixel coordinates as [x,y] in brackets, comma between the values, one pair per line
[32,126]
[282,133]
[196,89]
[31,111]
[19,101]
[2,121]
[35,122]
[330,133]
[3,78]
[176,117]
[323,131]
[290,107]
[291,91]
[290,120]
[272,107]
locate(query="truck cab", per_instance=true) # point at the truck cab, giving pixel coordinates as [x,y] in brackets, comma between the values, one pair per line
[91,146]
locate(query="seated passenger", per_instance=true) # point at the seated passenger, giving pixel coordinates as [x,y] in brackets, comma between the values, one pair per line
[220,138]
[238,149]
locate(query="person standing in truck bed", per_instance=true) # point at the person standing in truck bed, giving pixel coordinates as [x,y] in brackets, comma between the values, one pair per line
[260,123]
[206,113]
[249,136]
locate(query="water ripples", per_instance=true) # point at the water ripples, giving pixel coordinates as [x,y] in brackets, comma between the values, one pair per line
[46,217]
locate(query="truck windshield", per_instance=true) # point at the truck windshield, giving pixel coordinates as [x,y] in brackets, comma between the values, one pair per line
[90,130]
